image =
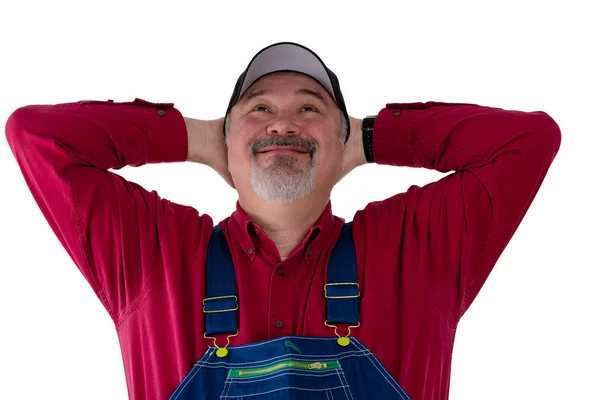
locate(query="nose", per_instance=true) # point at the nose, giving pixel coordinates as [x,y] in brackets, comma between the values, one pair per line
[282,126]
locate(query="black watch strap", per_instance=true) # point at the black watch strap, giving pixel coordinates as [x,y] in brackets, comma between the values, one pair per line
[367,132]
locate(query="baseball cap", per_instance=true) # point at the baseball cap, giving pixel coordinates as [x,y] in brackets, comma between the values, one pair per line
[288,56]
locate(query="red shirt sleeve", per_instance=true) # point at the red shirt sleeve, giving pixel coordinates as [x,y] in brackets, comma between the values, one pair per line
[107,224]
[454,230]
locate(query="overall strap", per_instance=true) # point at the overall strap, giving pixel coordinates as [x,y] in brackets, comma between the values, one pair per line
[221,302]
[341,290]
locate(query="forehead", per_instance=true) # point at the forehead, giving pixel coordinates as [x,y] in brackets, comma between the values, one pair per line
[287,82]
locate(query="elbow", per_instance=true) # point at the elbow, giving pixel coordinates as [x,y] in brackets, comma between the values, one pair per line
[17,127]
[549,132]
[24,124]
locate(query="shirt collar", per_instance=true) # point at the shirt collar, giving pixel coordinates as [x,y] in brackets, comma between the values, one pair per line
[249,235]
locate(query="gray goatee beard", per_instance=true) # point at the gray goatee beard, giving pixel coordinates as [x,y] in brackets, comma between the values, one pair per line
[282,181]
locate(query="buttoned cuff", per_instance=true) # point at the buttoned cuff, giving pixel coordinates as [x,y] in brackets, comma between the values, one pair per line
[392,136]
[168,140]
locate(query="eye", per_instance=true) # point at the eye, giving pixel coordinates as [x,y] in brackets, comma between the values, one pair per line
[310,107]
[259,107]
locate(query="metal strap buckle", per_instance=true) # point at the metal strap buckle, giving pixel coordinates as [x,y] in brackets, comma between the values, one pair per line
[342,340]
[342,284]
[222,351]
[335,328]
[219,298]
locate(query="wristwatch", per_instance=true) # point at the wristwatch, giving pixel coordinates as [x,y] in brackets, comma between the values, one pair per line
[367,132]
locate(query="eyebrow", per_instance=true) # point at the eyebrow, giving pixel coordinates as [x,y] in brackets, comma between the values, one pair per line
[262,92]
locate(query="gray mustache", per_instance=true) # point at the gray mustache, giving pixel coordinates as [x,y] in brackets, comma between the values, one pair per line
[294,141]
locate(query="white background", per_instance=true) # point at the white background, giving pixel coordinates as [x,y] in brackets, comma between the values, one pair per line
[533,331]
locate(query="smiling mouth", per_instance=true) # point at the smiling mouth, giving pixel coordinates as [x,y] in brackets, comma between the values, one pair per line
[283,149]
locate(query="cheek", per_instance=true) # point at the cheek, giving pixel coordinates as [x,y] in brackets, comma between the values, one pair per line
[238,157]
[249,127]
[331,156]
[243,133]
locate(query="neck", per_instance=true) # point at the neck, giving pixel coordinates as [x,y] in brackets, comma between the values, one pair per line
[286,224]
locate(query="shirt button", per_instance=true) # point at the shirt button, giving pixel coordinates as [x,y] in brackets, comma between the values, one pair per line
[397,113]
[280,271]
[257,232]
[250,250]
[279,323]
[161,113]
[309,252]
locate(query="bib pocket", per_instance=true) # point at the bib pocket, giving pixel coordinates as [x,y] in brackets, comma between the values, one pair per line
[287,379]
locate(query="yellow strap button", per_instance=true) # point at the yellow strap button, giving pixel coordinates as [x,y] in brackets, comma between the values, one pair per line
[222,352]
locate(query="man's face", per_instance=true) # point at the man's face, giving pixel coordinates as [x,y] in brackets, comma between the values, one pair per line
[284,138]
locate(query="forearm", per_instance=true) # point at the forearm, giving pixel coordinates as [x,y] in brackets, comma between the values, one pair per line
[354,154]
[356,141]
[449,137]
[206,145]
[205,140]
[100,134]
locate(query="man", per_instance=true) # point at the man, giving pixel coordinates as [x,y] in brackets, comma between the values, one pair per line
[255,320]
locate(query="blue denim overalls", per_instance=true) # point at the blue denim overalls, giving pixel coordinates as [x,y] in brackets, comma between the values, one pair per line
[288,367]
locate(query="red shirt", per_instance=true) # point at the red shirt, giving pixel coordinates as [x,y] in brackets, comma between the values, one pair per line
[422,255]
